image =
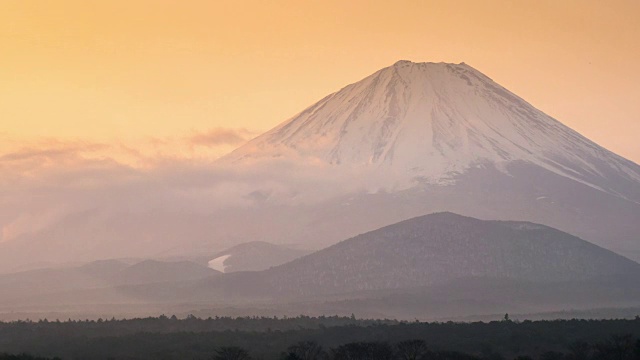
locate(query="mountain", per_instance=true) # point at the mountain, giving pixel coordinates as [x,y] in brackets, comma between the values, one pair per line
[441,265]
[98,282]
[430,122]
[445,247]
[36,283]
[254,256]
[450,139]
[411,139]
[153,271]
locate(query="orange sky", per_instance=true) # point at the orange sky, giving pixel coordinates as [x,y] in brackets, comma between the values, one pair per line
[144,72]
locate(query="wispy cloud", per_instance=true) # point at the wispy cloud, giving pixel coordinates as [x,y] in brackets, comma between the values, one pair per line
[52,150]
[221,136]
[140,153]
[61,195]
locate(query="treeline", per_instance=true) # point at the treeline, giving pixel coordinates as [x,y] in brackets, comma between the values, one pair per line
[23,357]
[615,348]
[172,324]
[347,338]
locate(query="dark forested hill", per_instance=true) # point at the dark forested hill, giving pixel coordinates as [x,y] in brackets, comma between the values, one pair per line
[443,247]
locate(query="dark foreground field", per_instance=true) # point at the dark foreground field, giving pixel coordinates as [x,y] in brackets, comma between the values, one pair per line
[302,337]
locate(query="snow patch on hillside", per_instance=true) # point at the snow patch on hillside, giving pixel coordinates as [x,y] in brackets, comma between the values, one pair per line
[218,263]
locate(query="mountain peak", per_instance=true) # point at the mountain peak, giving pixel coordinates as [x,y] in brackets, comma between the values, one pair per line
[403,62]
[430,122]
[427,66]
[423,63]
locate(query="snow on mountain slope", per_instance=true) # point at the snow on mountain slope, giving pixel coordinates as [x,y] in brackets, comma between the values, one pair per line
[429,122]
[218,263]
[254,256]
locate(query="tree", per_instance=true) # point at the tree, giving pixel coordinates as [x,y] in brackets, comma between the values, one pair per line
[616,348]
[552,355]
[231,353]
[411,349]
[364,351]
[305,350]
[488,353]
[579,351]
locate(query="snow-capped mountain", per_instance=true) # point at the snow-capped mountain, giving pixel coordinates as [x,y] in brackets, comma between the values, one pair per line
[409,140]
[427,137]
[430,122]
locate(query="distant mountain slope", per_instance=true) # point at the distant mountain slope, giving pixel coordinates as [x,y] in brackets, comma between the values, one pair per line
[254,256]
[40,285]
[433,266]
[443,247]
[152,271]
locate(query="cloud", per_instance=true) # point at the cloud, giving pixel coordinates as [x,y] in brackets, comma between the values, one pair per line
[146,153]
[52,150]
[77,200]
[68,171]
[221,136]
[30,222]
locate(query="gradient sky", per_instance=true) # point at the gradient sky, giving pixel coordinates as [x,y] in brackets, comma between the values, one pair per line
[184,74]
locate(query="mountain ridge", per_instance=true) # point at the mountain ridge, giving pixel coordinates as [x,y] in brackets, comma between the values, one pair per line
[440,247]
[441,264]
